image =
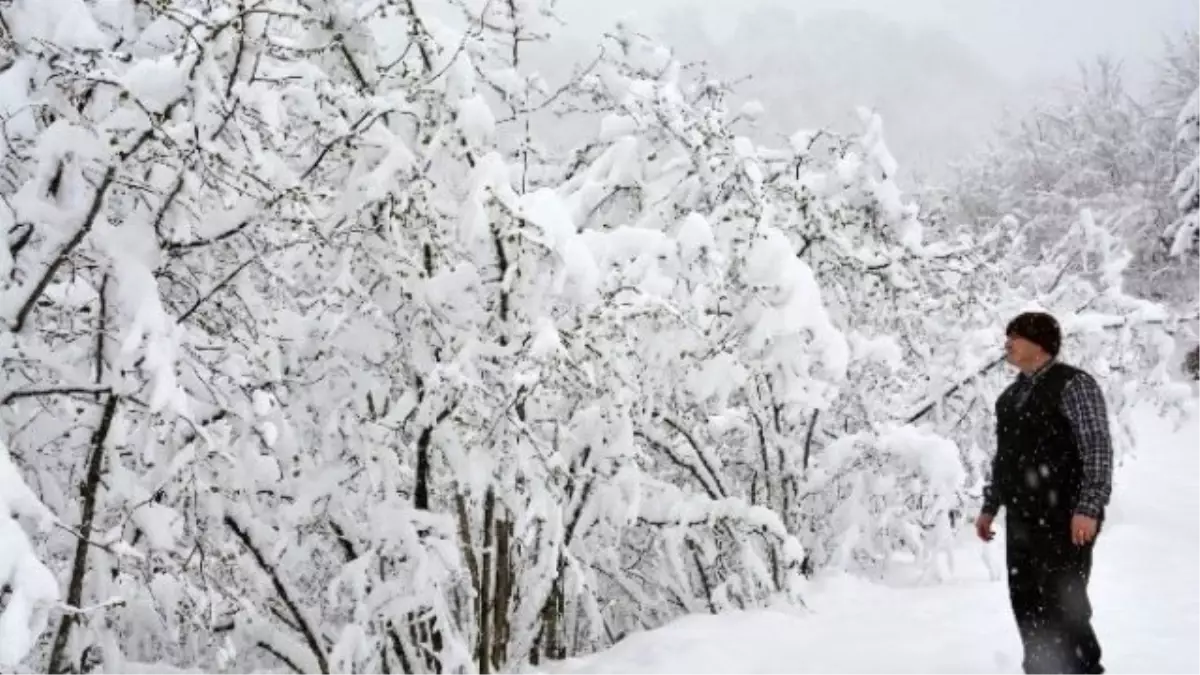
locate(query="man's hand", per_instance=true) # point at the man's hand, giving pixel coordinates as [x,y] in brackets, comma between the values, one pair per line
[1083,529]
[983,527]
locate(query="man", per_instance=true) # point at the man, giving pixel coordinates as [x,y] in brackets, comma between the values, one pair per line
[1052,472]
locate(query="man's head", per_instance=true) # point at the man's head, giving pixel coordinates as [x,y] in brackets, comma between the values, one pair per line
[1032,339]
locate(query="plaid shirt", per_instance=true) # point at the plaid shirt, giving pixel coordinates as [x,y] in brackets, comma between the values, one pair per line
[1085,410]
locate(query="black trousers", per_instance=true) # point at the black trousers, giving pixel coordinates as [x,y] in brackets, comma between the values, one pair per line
[1047,585]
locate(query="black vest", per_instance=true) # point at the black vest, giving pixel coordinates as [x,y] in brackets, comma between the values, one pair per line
[1038,467]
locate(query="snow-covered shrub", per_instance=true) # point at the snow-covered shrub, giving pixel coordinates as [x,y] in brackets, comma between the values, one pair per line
[331,365]
[1184,233]
[28,588]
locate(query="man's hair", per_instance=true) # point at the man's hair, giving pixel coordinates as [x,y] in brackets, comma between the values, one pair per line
[1039,328]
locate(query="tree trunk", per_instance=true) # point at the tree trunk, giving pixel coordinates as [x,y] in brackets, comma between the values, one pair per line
[91,486]
[486,574]
[503,592]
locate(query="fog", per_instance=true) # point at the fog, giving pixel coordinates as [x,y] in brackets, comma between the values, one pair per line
[1018,38]
[943,73]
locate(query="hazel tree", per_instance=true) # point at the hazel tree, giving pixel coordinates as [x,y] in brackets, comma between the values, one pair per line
[317,356]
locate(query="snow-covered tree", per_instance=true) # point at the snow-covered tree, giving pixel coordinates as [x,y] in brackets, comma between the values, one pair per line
[1184,233]
[1078,146]
[171,283]
[1175,99]
[1095,146]
[317,357]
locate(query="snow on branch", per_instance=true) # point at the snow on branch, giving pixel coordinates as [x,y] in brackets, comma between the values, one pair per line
[328,371]
[31,589]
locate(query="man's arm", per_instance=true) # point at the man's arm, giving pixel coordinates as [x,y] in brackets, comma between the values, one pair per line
[991,499]
[991,495]
[1084,407]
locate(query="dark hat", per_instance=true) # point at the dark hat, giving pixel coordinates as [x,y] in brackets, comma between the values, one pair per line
[1039,328]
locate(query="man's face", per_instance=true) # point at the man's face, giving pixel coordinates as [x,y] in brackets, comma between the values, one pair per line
[1021,352]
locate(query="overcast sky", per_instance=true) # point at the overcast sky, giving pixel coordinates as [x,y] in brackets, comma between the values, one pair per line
[1020,39]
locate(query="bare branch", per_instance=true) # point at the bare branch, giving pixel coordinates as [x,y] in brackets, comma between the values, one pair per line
[53,391]
[309,635]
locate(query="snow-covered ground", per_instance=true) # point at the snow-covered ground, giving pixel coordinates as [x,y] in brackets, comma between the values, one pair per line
[1145,592]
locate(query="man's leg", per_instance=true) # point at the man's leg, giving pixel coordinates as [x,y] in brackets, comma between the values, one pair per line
[1073,609]
[1027,563]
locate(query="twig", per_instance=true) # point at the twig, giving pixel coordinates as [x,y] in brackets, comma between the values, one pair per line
[78,535]
[50,391]
[111,602]
[52,269]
